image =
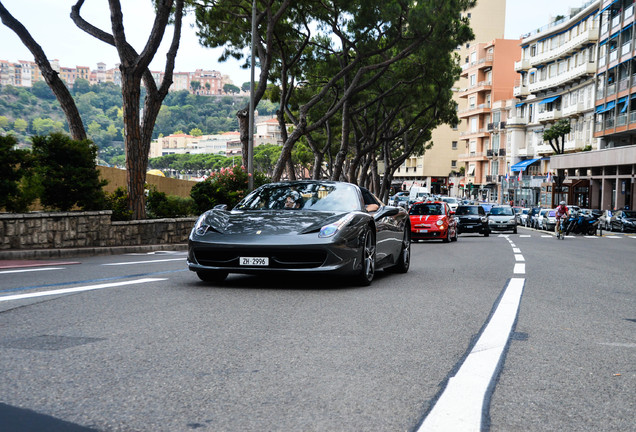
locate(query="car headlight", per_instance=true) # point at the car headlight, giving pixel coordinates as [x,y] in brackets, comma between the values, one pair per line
[440,222]
[484,220]
[200,228]
[331,229]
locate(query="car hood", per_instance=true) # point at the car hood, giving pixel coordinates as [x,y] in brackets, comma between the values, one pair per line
[269,222]
[426,218]
[500,218]
[469,217]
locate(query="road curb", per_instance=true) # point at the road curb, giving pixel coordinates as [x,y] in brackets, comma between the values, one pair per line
[90,251]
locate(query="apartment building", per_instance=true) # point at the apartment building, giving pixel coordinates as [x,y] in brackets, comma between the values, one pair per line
[557,69]
[434,169]
[490,75]
[604,178]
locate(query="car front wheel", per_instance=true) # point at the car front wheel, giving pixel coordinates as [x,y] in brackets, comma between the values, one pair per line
[404,260]
[367,263]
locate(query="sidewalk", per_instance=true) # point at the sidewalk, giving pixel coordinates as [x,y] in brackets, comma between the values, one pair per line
[19,255]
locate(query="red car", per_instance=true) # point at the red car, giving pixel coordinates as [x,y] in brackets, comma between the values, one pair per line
[432,220]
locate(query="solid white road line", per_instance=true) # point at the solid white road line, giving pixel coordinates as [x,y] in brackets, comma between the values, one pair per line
[461,404]
[144,262]
[31,270]
[520,268]
[78,289]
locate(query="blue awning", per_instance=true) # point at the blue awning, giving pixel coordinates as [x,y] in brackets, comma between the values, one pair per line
[520,104]
[521,166]
[600,108]
[548,100]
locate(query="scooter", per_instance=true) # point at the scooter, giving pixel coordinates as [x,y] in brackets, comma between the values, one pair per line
[581,223]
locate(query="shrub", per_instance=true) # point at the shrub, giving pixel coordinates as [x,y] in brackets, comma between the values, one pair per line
[118,203]
[159,205]
[17,189]
[68,174]
[227,186]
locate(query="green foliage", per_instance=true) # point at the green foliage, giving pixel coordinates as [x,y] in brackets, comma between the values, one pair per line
[159,205]
[118,203]
[228,186]
[16,193]
[231,88]
[66,169]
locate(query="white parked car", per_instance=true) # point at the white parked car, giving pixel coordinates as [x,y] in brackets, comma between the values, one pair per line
[452,202]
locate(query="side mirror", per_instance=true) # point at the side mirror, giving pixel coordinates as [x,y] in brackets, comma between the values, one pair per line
[452,213]
[220,207]
[386,211]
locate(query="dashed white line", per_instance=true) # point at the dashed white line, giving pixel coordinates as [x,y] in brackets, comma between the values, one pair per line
[78,289]
[516,250]
[31,270]
[520,268]
[460,406]
[519,257]
[525,235]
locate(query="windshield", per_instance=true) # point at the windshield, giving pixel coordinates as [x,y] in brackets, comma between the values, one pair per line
[427,210]
[450,200]
[340,197]
[501,211]
[630,214]
[467,211]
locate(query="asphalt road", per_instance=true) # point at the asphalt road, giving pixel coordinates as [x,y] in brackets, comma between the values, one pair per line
[138,343]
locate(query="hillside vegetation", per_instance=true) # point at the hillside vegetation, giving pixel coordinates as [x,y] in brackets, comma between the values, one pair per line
[25,112]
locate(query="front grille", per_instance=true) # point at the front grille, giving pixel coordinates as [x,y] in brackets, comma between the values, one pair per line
[278,258]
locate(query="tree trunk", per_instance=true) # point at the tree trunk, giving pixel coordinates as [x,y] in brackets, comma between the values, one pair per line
[243,119]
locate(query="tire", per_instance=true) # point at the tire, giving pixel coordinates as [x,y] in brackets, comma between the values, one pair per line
[404,259]
[367,262]
[212,276]
[514,231]
[447,238]
[487,233]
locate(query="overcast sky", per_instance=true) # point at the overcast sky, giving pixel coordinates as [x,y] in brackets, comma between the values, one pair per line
[49,23]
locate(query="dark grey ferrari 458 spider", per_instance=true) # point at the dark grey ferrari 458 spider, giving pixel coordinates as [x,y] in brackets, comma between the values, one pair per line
[302,226]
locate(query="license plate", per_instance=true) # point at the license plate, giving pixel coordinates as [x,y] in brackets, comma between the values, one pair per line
[254,261]
[470,226]
[423,231]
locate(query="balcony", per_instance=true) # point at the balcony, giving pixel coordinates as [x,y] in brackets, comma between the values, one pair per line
[573,109]
[474,110]
[580,71]
[520,90]
[522,65]
[589,36]
[516,121]
[544,149]
[548,116]
[480,86]
[472,157]
[502,152]
[482,131]
[491,179]
[489,153]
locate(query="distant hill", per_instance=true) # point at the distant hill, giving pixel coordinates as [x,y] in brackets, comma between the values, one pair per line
[35,111]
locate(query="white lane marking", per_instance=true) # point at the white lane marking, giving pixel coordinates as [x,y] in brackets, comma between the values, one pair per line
[143,262]
[461,404]
[78,289]
[32,270]
[520,268]
[516,250]
[613,236]
[591,237]
[525,235]
[546,236]
[519,257]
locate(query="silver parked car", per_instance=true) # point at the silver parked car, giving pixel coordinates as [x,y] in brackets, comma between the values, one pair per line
[502,218]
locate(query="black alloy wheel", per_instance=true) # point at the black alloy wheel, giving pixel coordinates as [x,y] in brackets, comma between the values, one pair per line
[367,263]
[404,260]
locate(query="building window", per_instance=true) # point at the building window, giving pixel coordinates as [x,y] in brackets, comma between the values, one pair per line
[454,145]
[453,164]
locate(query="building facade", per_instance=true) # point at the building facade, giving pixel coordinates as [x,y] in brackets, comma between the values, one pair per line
[557,69]
[436,168]
[490,76]
[604,177]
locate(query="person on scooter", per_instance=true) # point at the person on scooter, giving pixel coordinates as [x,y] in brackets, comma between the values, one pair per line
[562,213]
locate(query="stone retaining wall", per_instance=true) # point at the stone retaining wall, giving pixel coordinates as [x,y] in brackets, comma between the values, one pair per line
[60,230]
